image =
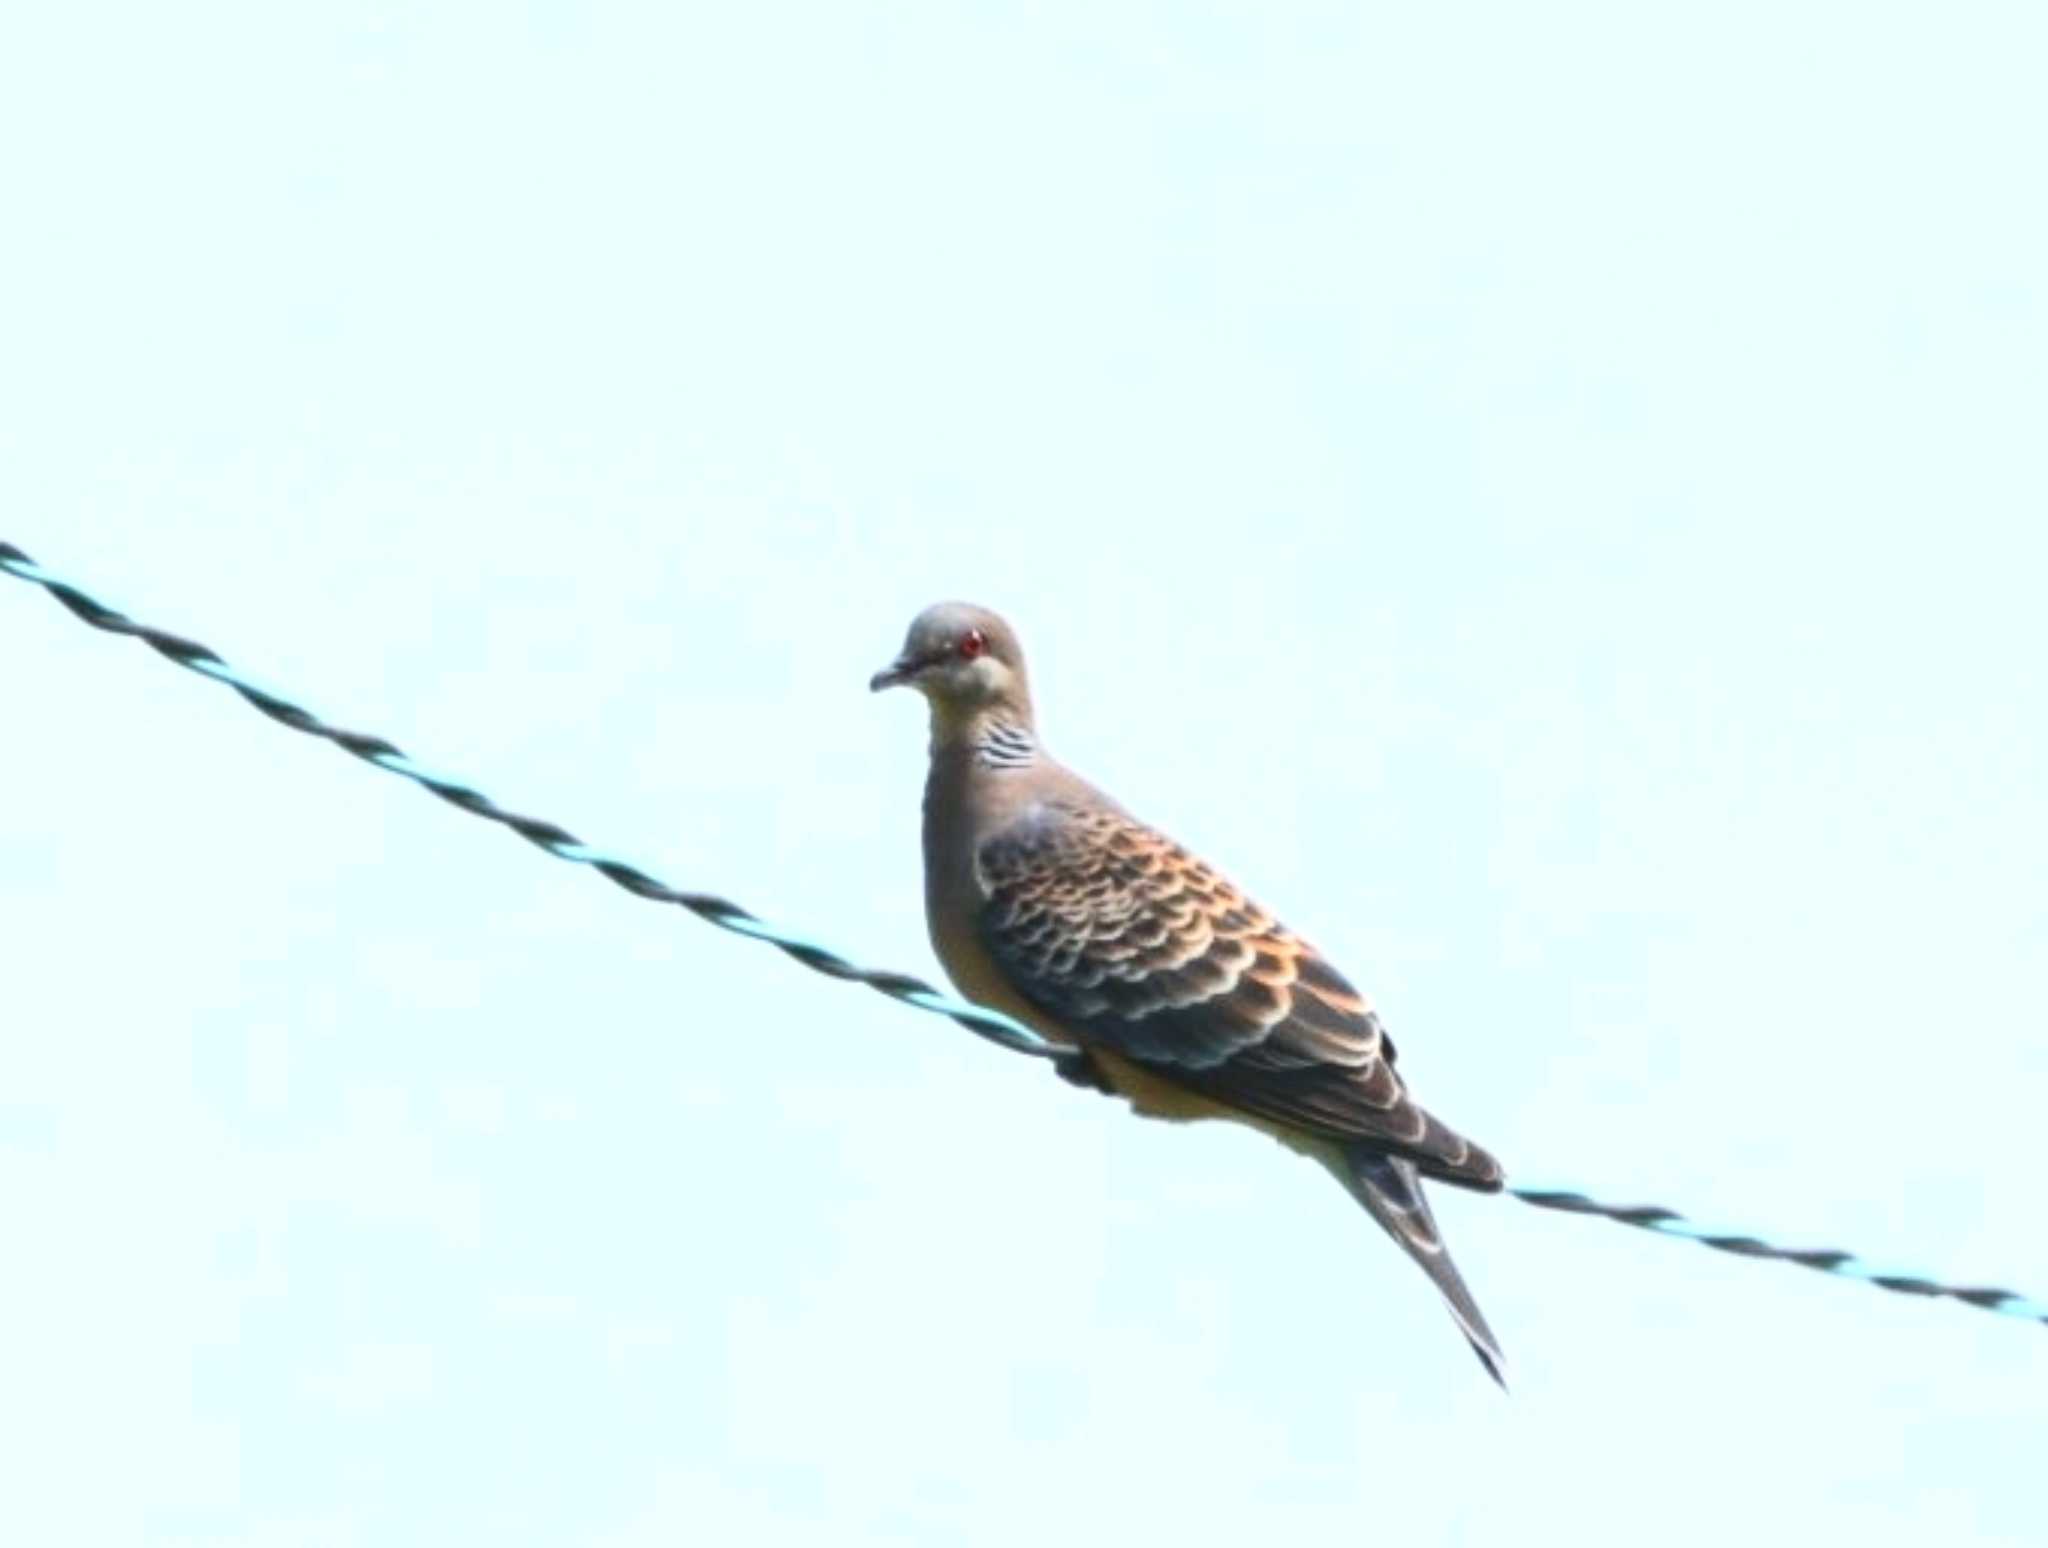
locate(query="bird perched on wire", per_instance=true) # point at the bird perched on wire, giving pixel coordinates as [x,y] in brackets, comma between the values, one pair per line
[1048,901]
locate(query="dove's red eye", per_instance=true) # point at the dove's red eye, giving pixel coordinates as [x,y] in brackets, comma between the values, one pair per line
[972,644]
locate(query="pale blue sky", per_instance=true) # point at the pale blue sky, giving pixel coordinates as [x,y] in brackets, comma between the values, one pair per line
[1550,498]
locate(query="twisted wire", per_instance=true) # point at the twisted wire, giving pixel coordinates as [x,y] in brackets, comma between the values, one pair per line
[915,992]
[1825,1260]
[545,835]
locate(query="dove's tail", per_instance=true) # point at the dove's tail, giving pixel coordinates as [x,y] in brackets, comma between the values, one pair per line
[1391,1192]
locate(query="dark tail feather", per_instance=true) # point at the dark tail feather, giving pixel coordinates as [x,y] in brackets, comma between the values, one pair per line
[1391,1192]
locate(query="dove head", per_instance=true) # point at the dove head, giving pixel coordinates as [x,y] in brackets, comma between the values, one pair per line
[966,662]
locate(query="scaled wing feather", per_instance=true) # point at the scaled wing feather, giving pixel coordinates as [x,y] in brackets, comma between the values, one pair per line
[1146,950]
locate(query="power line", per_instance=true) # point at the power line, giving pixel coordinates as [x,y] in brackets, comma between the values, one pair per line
[915,992]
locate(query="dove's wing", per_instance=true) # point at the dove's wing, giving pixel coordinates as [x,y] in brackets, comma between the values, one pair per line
[1143,949]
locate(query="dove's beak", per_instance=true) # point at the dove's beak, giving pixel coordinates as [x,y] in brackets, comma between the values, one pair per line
[894,675]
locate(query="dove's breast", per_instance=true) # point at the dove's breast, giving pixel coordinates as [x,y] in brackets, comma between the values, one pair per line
[961,803]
